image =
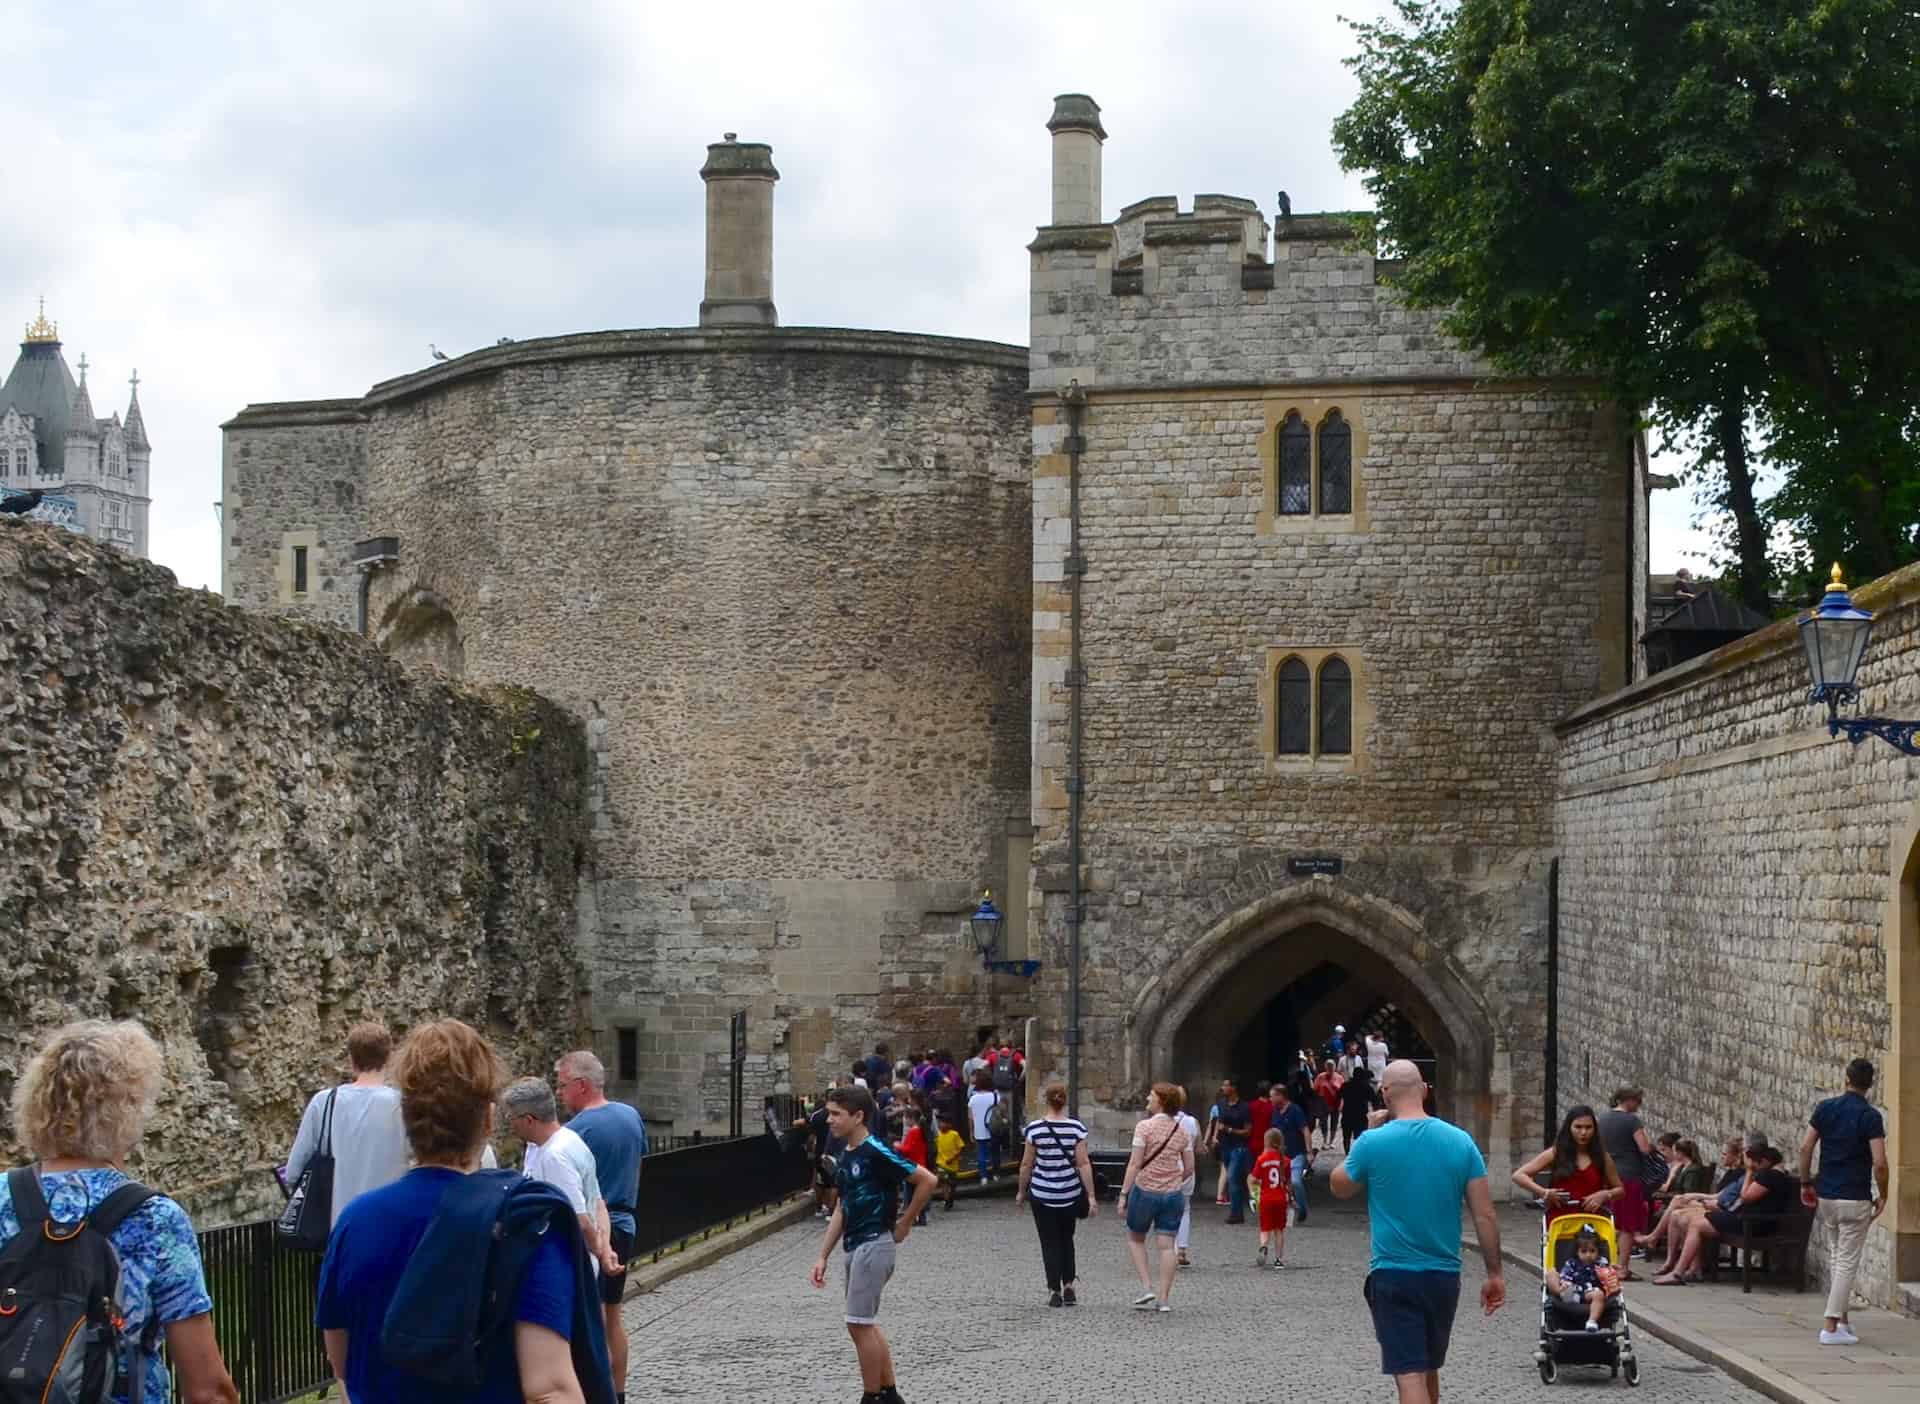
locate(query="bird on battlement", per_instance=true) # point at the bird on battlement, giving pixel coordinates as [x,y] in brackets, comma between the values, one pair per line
[438,354]
[20,503]
[1286,206]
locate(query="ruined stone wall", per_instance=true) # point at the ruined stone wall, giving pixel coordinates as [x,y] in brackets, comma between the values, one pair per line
[251,833]
[783,577]
[1728,884]
[1478,588]
[293,475]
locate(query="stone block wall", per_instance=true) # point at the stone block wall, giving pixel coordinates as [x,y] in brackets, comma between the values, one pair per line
[782,575]
[1480,588]
[294,474]
[251,833]
[1731,890]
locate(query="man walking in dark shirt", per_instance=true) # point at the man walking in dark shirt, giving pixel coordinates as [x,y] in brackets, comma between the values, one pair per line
[870,1222]
[1234,1127]
[1852,1137]
[1291,1122]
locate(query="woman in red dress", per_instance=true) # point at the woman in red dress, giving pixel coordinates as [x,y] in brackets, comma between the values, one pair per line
[1580,1177]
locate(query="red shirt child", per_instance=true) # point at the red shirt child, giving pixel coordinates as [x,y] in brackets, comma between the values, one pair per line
[913,1145]
[1272,1173]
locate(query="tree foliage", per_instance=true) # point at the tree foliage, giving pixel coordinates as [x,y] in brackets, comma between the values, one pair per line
[1708,205]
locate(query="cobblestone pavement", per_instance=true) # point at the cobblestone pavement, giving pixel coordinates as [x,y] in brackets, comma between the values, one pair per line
[968,1319]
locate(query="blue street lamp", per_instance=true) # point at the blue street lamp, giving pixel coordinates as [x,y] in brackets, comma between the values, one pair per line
[985,926]
[1835,636]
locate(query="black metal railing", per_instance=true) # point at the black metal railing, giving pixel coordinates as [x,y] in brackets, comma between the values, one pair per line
[263,1300]
[700,1189]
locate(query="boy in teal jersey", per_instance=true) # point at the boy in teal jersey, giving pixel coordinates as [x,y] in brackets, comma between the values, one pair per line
[869,1176]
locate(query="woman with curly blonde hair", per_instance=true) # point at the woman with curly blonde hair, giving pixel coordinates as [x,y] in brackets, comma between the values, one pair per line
[81,1107]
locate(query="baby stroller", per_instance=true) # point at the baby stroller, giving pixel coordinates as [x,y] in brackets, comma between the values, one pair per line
[1564,1339]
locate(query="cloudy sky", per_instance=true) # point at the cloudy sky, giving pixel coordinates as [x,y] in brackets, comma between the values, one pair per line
[253,202]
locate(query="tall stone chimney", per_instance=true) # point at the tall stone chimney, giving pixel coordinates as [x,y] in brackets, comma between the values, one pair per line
[1077,135]
[739,177]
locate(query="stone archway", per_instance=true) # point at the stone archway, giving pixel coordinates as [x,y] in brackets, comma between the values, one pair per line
[420,630]
[1220,976]
[1900,938]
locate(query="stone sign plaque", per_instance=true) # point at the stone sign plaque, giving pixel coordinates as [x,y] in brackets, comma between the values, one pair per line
[1316,865]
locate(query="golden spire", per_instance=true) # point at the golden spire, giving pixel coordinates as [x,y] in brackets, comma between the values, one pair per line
[40,331]
[1836,583]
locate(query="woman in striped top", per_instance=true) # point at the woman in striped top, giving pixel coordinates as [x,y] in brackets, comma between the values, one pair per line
[1054,1174]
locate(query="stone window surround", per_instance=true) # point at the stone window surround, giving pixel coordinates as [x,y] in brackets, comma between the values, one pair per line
[1354,763]
[283,569]
[1312,411]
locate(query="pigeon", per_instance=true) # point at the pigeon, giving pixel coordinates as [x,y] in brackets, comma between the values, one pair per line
[504,341]
[438,354]
[1286,206]
[18,505]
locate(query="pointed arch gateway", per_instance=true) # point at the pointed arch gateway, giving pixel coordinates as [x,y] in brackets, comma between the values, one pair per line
[1182,1021]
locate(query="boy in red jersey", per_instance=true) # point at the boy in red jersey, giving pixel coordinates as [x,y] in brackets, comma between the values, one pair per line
[1270,1179]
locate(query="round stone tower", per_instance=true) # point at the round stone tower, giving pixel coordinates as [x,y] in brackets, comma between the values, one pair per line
[784,574]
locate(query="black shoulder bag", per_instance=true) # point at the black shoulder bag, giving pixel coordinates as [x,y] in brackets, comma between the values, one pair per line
[308,1217]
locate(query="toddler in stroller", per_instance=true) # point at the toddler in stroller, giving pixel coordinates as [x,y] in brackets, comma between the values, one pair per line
[1583,1312]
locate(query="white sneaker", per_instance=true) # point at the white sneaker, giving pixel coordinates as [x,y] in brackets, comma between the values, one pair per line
[1163,1307]
[1843,1336]
[1146,1301]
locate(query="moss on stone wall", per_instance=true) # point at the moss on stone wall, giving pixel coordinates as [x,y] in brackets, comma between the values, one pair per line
[250,833]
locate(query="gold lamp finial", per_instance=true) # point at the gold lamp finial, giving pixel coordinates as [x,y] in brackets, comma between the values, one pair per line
[40,331]
[1834,582]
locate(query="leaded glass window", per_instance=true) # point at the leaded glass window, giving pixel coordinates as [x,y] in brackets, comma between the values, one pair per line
[1336,708]
[1336,463]
[1296,466]
[1295,708]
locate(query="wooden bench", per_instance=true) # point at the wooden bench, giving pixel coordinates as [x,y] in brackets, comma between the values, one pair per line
[1773,1244]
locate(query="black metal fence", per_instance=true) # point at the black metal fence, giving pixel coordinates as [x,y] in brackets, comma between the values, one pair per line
[263,1300]
[708,1186]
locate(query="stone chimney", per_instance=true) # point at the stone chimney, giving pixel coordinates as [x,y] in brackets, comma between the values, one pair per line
[1077,135]
[739,177]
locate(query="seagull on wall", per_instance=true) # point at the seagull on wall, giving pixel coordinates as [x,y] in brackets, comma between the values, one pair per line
[438,354]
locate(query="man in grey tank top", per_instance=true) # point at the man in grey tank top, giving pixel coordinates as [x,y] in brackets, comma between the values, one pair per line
[1625,1138]
[365,1134]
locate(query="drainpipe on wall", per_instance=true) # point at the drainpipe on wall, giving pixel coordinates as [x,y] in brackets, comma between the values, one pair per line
[1552,1118]
[368,556]
[1075,399]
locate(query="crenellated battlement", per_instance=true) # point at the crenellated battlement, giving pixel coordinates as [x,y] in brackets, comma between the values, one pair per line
[1214,293]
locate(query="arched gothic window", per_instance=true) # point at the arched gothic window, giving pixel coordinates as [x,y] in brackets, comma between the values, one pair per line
[1336,708]
[1296,466]
[1294,709]
[1336,464]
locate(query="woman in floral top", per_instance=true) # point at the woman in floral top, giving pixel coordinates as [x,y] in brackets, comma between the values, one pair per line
[81,1107]
[1151,1193]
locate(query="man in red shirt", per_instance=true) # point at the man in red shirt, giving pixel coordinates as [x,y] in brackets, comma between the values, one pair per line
[1261,1109]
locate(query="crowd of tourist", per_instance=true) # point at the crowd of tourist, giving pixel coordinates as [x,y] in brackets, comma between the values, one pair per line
[1666,1201]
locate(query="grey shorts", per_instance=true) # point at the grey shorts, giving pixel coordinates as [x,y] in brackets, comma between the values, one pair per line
[868,1268]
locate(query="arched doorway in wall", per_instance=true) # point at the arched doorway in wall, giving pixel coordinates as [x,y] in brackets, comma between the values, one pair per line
[1900,1079]
[420,630]
[1280,973]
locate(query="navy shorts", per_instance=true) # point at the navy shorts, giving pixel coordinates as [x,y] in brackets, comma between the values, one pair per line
[1150,1210]
[1412,1318]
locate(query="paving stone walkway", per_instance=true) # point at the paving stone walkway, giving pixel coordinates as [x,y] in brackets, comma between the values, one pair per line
[968,1319]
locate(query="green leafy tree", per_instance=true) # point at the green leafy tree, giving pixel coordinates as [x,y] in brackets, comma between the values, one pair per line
[1707,206]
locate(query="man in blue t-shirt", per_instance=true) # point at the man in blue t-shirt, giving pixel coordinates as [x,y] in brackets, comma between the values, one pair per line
[1852,1136]
[1291,1122]
[869,1176]
[617,1136]
[1416,1170]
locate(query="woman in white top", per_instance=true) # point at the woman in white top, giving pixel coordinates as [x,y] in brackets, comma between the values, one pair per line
[1192,1128]
[1054,1174]
[1376,1055]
